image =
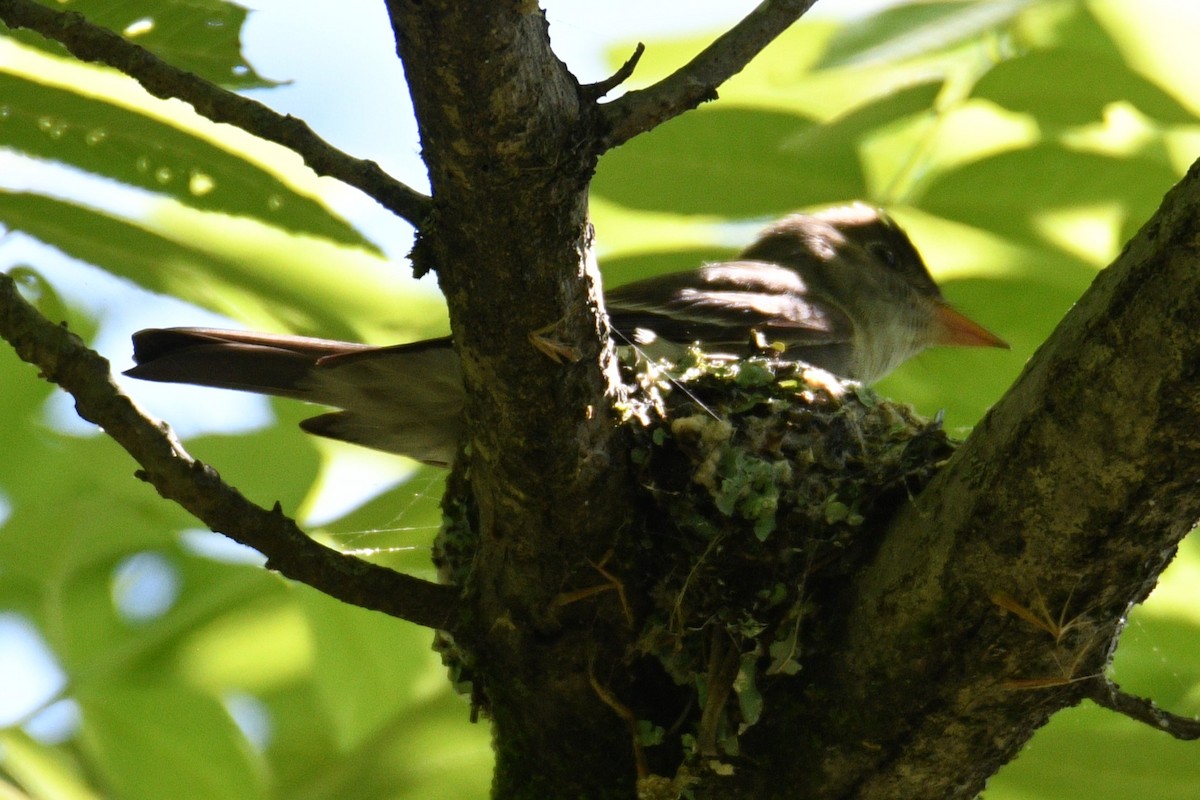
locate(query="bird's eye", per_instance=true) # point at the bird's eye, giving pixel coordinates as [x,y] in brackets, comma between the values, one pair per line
[884,253]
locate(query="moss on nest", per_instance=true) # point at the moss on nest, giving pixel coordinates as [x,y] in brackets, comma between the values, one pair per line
[766,484]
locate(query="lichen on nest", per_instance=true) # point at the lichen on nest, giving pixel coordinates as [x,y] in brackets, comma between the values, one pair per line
[766,484]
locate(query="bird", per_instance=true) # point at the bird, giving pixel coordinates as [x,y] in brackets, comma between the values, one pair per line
[843,289]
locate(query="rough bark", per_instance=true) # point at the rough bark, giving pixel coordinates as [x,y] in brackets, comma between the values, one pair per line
[505,137]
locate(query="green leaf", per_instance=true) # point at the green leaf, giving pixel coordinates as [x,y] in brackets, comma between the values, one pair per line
[166,741]
[40,770]
[1041,180]
[264,276]
[200,36]
[1085,84]
[915,29]
[368,668]
[138,149]
[1121,759]
[730,162]
[288,462]
[743,162]
[396,529]
[749,697]
[1158,40]
[1157,659]
[40,293]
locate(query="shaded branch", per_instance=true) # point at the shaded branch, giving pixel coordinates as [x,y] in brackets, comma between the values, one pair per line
[1108,695]
[64,359]
[95,44]
[594,91]
[697,81]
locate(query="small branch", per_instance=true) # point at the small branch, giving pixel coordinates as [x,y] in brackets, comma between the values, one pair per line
[93,43]
[594,91]
[65,360]
[697,82]
[1108,695]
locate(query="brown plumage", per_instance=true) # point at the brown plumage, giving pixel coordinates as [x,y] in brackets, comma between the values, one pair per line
[843,289]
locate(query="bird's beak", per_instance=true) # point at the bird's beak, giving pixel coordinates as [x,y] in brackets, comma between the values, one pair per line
[958,330]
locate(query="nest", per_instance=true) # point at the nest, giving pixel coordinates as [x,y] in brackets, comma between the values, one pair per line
[767,484]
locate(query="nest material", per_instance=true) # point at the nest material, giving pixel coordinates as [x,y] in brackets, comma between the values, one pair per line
[767,484]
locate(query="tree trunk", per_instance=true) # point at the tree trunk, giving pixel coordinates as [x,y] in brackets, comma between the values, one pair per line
[509,162]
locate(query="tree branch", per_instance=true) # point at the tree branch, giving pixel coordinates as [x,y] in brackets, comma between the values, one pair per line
[697,81]
[1108,695]
[93,43]
[594,91]
[1069,498]
[65,360]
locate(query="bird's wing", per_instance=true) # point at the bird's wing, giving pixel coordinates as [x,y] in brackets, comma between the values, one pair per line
[721,304]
